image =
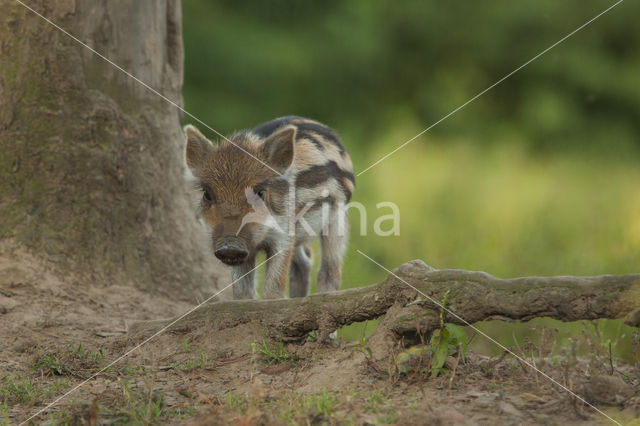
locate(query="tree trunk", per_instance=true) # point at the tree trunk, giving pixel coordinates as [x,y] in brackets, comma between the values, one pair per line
[91,161]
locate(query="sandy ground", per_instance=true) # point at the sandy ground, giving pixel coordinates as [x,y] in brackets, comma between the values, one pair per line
[57,331]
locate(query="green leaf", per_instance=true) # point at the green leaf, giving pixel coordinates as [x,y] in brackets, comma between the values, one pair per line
[458,337]
[368,349]
[440,353]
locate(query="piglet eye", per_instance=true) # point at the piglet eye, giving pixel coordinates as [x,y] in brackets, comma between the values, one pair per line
[261,193]
[206,196]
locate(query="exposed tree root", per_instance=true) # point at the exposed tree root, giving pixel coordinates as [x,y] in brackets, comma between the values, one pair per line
[473,296]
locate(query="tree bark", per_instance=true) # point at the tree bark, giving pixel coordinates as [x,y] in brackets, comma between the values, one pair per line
[90,160]
[472,296]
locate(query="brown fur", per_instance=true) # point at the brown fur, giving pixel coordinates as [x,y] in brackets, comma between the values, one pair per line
[227,171]
[269,162]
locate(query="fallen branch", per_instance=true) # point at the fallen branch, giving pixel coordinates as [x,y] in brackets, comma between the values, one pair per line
[474,296]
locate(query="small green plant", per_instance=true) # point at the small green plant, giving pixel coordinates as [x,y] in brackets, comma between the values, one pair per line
[449,339]
[412,403]
[362,347]
[64,417]
[273,353]
[236,401]
[150,411]
[312,336]
[185,344]
[373,401]
[182,412]
[85,354]
[141,409]
[294,408]
[142,412]
[191,364]
[49,364]
[132,370]
[4,413]
[411,360]
[18,389]
[323,402]
[378,403]
[126,389]
[388,418]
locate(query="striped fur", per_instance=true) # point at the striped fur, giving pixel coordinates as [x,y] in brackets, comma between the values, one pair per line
[276,160]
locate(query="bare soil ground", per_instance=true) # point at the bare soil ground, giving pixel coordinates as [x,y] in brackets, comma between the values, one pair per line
[57,331]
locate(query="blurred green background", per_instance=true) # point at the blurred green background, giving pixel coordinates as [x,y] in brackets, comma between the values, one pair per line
[538,176]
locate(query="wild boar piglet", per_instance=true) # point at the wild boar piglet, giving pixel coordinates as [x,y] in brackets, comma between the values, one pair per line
[272,189]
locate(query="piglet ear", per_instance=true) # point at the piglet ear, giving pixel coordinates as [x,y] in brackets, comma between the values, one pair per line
[279,148]
[197,148]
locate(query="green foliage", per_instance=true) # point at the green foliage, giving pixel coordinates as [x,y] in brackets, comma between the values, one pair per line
[362,347]
[447,341]
[507,185]
[538,176]
[388,418]
[358,331]
[412,359]
[323,402]
[4,413]
[361,65]
[132,370]
[185,345]
[142,413]
[297,407]
[458,339]
[235,401]
[181,412]
[589,338]
[126,389]
[270,353]
[374,401]
[48,364]
[191,363]
[18,389]
[322,407]
[146,409]
[62,417]
[66,362]
[381,404]
[83,353]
